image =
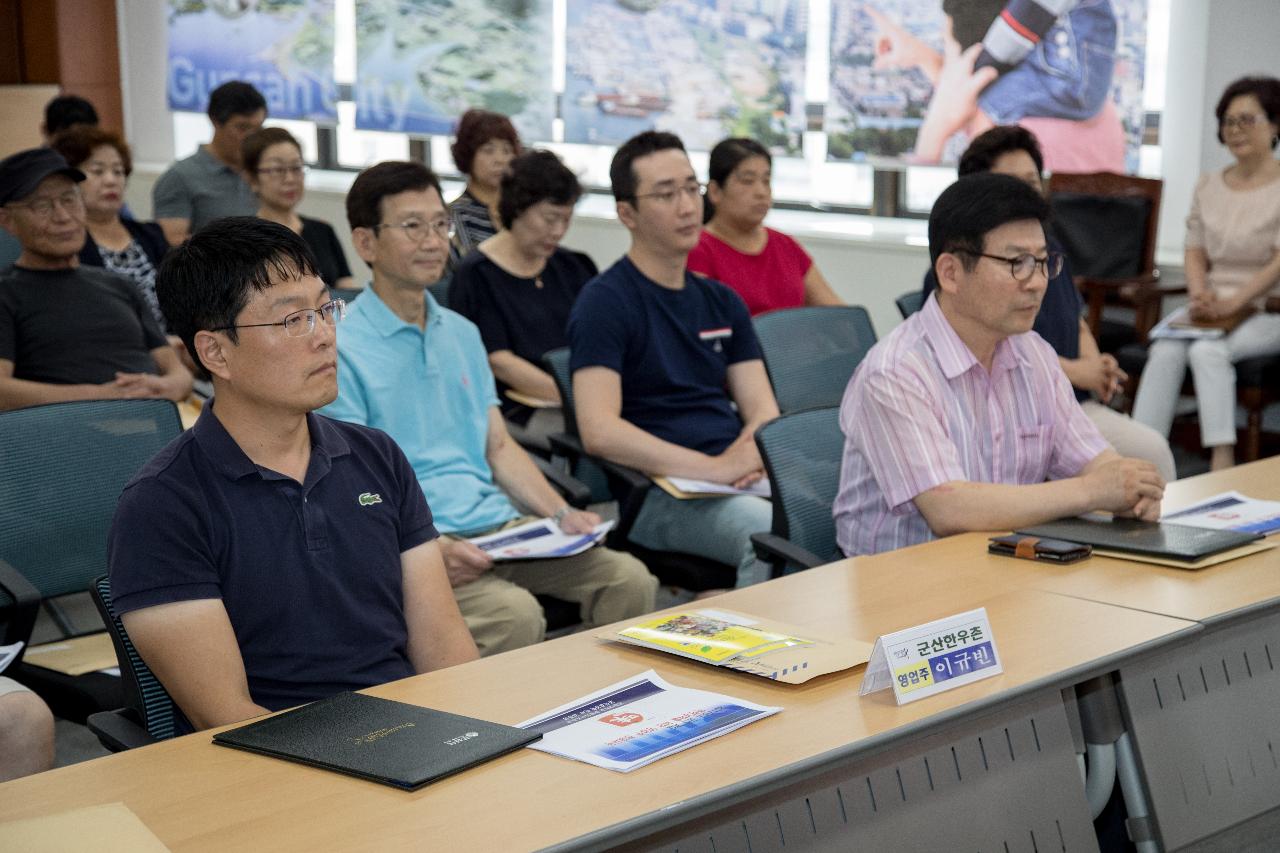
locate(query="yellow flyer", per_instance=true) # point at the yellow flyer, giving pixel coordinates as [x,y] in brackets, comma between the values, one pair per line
[705,637]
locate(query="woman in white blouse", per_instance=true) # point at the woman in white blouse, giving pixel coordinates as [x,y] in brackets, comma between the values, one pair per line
[1232,265]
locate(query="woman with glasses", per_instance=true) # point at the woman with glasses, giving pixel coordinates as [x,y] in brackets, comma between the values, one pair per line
[123,246]
[484,146]
[274,168]
[1232,262]
[768,269]
[519,286]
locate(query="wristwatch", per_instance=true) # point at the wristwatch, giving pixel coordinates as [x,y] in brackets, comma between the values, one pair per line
[561,513]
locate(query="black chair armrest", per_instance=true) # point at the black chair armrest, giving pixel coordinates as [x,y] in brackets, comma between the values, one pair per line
[780,553]
[568,446]
[571,488]
[119,730]
[21,615]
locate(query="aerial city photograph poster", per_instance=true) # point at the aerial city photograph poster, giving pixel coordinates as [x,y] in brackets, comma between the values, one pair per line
[284,48]
[422,63]
[704,69]
[915,80]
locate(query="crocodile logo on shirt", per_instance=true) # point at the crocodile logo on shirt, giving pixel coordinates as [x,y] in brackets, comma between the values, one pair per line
[369,499]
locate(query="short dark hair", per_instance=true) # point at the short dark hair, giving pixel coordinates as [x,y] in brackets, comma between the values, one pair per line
[535,176]
[206,281]
[976,205]
[727,156]
[988,147]
[76,144]
[1265,89]
[260,140]
[475,128]
[234,98]
[66,111]
[364,199]
[622,177]
[970,19]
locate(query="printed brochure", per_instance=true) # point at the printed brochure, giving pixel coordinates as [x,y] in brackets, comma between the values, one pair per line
[737,641]
[538,540]
[638,721]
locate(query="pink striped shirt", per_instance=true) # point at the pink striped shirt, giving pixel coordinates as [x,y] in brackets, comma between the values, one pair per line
[922,411]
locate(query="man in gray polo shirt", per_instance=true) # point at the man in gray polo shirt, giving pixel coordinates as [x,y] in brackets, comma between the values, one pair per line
[209,184]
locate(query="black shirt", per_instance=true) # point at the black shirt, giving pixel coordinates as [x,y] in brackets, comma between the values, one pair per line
[515,314]
[74,326]
[331,261]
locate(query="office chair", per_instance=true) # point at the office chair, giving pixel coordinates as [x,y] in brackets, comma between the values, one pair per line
[810,353]
[910,302]
[802,453]
[148,712]
[62,468]
[630,487]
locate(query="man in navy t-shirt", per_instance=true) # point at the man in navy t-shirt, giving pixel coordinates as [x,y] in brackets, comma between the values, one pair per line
[660,356]
[269,556]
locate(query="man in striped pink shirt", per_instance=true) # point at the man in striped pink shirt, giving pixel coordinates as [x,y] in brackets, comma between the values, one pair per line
[962,419]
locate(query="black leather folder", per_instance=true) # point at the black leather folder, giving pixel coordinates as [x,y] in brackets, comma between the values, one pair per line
[1154,538]
[405,746]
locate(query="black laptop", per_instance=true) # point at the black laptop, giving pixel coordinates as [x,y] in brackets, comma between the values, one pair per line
[394,743]
[1153,538]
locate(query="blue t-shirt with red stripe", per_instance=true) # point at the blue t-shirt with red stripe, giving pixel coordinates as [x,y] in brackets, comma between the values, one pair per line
[671,348]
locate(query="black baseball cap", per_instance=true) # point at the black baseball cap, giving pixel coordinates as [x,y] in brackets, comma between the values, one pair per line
[21,173]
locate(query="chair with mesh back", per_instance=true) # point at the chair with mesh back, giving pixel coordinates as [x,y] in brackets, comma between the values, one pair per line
[148,712]
[629,488]
[801,453]
[810,353]
[909,303]
[62,468]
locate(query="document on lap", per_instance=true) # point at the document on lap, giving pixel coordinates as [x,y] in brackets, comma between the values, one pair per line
[685,487]
[538,540]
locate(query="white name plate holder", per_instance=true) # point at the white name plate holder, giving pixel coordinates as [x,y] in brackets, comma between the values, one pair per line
[928,659]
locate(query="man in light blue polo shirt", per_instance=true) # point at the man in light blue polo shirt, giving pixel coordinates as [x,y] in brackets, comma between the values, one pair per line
[420,372]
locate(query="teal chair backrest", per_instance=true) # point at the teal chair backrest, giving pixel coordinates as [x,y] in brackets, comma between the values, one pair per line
[801,453]
[810,353]
[62,468]
[143,692]
[910,303]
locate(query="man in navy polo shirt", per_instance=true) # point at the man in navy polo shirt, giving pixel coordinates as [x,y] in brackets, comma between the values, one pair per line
[659,357]
[270,556]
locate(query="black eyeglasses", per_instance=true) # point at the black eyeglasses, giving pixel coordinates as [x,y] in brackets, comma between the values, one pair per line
[693,189]
[1023,266]
[299,324]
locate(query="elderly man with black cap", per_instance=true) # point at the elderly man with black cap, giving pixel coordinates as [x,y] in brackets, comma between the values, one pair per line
[69,332]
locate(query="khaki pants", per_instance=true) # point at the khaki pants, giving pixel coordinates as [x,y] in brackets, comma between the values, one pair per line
[502,614]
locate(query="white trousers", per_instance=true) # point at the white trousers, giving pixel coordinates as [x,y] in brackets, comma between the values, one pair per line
[1212,364]
[1133,439]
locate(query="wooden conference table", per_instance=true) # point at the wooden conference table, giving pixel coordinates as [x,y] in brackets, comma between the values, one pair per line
[990,761]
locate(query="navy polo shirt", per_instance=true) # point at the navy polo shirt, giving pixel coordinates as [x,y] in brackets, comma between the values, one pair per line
[672,349]
[309,573]
[1059,319]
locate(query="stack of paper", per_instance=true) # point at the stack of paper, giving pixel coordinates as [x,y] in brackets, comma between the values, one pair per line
[733,640]
[685,487]
[1230,511]
[1180,326]
[637,721]
[538,540]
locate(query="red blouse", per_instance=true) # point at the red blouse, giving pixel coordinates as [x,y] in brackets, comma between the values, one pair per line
[770,280]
